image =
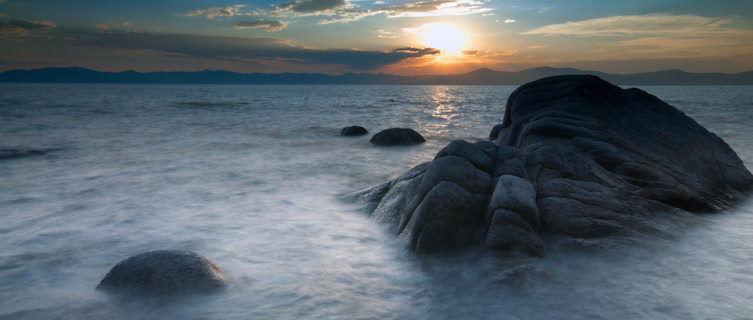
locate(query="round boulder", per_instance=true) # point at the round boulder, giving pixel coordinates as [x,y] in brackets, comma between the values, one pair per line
[165,271]
[397,137]
[353,131]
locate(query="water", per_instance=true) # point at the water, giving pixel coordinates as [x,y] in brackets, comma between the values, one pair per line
[250,177]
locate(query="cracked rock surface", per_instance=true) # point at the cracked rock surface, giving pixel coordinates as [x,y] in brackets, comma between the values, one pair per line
[574,157]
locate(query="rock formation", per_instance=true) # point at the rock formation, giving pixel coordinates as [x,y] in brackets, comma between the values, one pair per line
[574,157]
[397,137]
[164,272]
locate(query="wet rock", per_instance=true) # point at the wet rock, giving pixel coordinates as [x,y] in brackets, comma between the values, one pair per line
[397,137]
[495,132]
[575,157]
[444,219]
[165,272]
[473,153]
[353,131]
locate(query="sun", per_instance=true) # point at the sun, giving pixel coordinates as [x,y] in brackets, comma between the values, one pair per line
[439,35]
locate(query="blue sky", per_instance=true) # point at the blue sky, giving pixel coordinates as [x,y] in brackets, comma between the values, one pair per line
[400,37]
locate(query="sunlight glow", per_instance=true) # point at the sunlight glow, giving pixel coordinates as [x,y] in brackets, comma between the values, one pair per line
[447,38]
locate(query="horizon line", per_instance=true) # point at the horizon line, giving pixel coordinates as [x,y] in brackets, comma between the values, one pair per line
[381,73]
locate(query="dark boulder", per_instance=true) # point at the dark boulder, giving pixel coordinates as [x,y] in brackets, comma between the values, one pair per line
[397,137]
[353,131]
[164,272]
[575,158]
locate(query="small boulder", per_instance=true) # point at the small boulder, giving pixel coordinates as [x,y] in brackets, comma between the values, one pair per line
[165,271]
[397,137]
[353,131]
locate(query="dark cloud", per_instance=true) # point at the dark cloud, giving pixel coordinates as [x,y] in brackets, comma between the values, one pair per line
[367,60]
[203,46]
[23,27]
[252,48]
[421,51]
[312,6]
[269,25]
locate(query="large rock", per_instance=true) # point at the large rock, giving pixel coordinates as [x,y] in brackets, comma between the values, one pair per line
[397,137]
[574,157]
[353,131]
[165,271]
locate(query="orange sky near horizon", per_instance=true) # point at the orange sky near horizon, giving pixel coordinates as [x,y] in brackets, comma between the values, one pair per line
[405,37]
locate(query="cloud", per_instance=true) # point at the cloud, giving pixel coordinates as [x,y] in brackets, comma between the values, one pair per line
[422,51]
[384,34]
[110,25]
[662,47]
[509,20]
[435,8]
[252,49]
[21,28]
[211,13]
[312,6]
[652,36]
[268,25]
[631,25]
[342,11]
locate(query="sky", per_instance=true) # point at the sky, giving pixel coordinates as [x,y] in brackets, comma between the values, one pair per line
[406,37]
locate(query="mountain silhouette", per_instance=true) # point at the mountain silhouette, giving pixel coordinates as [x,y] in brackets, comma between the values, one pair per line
[482,76]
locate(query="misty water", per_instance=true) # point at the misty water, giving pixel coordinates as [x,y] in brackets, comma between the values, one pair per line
[252,176]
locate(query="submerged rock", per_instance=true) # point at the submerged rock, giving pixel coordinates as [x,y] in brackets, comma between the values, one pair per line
[574,157]
[397,137]
[165,271]
[353,131]
[20,153]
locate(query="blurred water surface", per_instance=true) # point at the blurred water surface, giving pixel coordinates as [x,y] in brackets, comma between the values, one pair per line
[250,176]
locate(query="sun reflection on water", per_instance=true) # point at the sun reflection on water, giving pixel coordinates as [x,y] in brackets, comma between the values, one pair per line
[442,107]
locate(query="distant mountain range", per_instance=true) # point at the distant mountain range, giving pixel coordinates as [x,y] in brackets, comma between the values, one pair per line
[477,77]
